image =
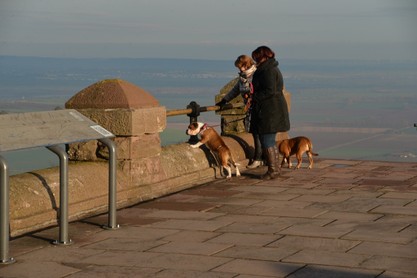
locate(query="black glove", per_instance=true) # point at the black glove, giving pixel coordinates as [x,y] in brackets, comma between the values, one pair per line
[221,104]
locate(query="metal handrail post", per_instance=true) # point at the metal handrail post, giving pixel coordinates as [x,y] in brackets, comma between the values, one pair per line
[63,195]
[4,214]
[193,115]
[112,224]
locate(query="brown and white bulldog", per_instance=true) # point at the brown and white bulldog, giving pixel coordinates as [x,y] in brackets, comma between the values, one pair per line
[298,146]
[215,143]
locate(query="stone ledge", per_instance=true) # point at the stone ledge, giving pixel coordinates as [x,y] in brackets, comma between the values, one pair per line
[34,197]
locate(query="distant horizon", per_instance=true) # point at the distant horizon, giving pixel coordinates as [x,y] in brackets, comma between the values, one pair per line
[214,60]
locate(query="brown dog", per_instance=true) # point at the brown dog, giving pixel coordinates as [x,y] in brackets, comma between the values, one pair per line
[298,146]
[215,143]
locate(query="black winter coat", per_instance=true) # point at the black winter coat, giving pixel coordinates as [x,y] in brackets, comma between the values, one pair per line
[269,110]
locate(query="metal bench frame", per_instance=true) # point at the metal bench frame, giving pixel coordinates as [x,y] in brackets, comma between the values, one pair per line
[73,127]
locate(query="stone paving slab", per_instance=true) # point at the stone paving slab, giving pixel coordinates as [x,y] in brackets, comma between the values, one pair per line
[387,262]
[269,253]
[335,272]
[28,269]
[401,210]
[395,250]
[312,230]
[313,243]
[351,216]
[260,268]
[343,218]
[319,257]
[193,248]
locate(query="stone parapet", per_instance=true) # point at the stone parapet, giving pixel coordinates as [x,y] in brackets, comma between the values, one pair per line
[34,197]
[137,132]
[138,147]
[129,122]
[126,110]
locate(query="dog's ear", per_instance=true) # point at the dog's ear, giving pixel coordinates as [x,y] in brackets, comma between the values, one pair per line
[194,124]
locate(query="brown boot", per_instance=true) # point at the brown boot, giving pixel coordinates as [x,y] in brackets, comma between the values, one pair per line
[272,164]
[277,163]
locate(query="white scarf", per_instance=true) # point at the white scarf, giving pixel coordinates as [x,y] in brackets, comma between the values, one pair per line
[248,73]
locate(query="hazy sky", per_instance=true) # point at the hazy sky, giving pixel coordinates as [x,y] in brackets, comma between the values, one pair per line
[209,29]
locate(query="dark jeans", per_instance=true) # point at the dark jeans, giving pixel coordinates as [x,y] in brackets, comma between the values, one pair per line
[257,155]
[267,140]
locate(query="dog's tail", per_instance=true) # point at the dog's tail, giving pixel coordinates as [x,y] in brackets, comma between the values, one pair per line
[310,149]
[233,162]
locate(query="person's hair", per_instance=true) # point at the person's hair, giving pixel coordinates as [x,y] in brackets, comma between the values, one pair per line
[262,53]
[244,61]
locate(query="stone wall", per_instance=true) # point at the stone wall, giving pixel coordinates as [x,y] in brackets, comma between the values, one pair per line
[34,197]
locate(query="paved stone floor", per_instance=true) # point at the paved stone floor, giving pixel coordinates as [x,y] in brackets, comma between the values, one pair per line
[341,219]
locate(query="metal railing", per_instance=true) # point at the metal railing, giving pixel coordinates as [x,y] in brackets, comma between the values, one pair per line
[193,110]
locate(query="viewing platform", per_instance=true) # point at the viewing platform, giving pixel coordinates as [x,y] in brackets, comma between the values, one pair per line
[342,218]
[175,215]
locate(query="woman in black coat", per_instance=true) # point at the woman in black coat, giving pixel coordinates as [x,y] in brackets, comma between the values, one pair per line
[269,108]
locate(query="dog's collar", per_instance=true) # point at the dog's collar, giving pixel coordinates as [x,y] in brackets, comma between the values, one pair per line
[203,128]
